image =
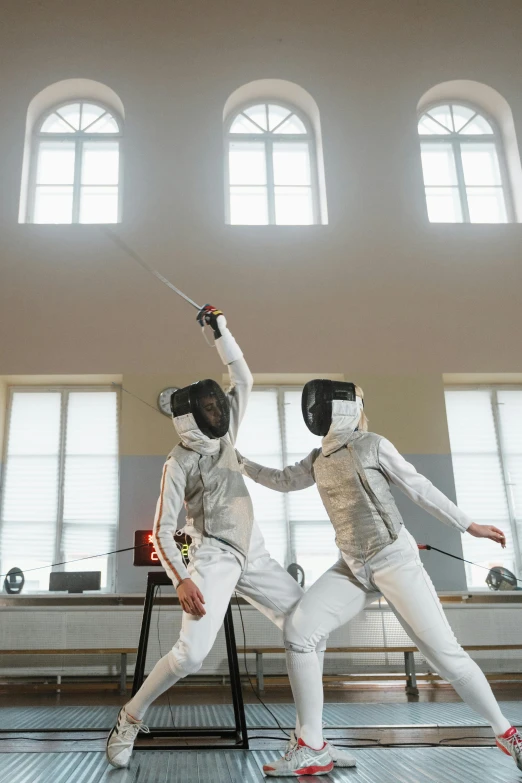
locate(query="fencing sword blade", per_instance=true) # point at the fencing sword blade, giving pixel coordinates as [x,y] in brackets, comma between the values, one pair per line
[132,253]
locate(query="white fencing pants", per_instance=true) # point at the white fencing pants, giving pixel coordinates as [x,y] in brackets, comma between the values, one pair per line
[343,591]
[218,573]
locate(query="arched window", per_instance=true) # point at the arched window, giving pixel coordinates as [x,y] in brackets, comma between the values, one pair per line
[463,166]
[271,167]
[75,166]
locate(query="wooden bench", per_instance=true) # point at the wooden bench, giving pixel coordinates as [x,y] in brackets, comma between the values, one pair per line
[123,652]
[409,660]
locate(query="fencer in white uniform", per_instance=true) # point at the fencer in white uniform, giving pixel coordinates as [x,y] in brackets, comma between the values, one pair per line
[228,552]
[353,470]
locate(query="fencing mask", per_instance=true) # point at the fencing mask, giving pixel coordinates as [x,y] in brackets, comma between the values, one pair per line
[317,399]
[501,579]
[14,581]
[208,403]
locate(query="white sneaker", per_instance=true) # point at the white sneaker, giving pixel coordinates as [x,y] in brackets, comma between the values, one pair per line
[510,743]
[339,757]
[120,741]
[300,760]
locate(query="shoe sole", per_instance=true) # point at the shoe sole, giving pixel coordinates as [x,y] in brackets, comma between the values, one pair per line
[313,770]
[503,749]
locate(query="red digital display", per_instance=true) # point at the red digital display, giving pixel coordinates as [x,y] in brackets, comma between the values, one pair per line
[146,555]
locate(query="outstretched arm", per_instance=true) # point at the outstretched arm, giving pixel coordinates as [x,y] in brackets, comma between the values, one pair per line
[241,380]
[291,478]
[420,489]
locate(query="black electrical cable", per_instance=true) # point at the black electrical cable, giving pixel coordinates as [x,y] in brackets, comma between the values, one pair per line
[463,559]
[78,559]
[258,697]
[131,394]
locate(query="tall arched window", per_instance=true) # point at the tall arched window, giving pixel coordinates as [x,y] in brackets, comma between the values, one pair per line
[463,165]
[75,167]
[271,168]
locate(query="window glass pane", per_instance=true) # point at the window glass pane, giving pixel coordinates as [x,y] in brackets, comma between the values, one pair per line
[315,549]
[438,164]
[293,206]
[480,163]
[427,126]
[443,115]
[247,163]
[53,204]
[292,125]
[443,205]
[478,479]
[299,438]
[478,126]
[486,205]
[259,439]
[55,124]
[276,115]
[91,461]
[28,518]
[34,424]
[99,204]
[510,414]
[37,551]
[71,113]
[105,124]
[291,163]
[55,163]
[243,125]
[313,536]
[248,206]
[100,163]
[92,424]
[461,115]
[90,113]
[258,114]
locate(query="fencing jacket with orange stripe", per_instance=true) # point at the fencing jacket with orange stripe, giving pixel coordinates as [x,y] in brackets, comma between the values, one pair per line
[204,474]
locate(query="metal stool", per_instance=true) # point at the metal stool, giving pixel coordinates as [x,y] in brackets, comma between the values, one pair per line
[238,734]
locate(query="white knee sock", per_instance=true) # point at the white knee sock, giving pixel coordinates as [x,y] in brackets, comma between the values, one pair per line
[159,680]
[320,659]
[476,691]
[304,672]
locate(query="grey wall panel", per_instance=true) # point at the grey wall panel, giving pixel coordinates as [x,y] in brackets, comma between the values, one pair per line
[446,573]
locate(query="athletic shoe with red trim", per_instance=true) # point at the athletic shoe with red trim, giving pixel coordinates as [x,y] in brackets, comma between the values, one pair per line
[510,743]
[301,760]
[339,757]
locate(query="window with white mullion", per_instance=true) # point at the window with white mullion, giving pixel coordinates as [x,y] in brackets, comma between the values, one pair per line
[461,181]
[270,190]
[283,192]
[58,549]
[463,166]
[486,450]
[76,166]
[61,488]
[507,413]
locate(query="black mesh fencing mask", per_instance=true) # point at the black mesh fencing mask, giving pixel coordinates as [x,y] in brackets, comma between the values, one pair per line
[316,402]
[209,405]
[500,578]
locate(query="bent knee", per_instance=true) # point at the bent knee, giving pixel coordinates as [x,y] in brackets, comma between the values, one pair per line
[184,661]
[297,635]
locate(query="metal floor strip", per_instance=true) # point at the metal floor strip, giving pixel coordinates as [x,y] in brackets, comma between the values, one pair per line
[408,765]
[335,715]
